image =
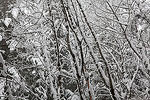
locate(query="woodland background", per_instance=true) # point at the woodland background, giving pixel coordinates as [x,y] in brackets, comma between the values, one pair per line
[75,50]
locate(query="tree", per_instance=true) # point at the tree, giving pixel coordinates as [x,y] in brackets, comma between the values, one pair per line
[75,50]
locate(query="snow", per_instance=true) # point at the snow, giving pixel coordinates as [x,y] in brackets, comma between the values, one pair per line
[1,37]
[37,60]
[13,71]
[15,12]
[139,27]
[75,97]
[2,84]
[41,49]
[7,21]
[13,45]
